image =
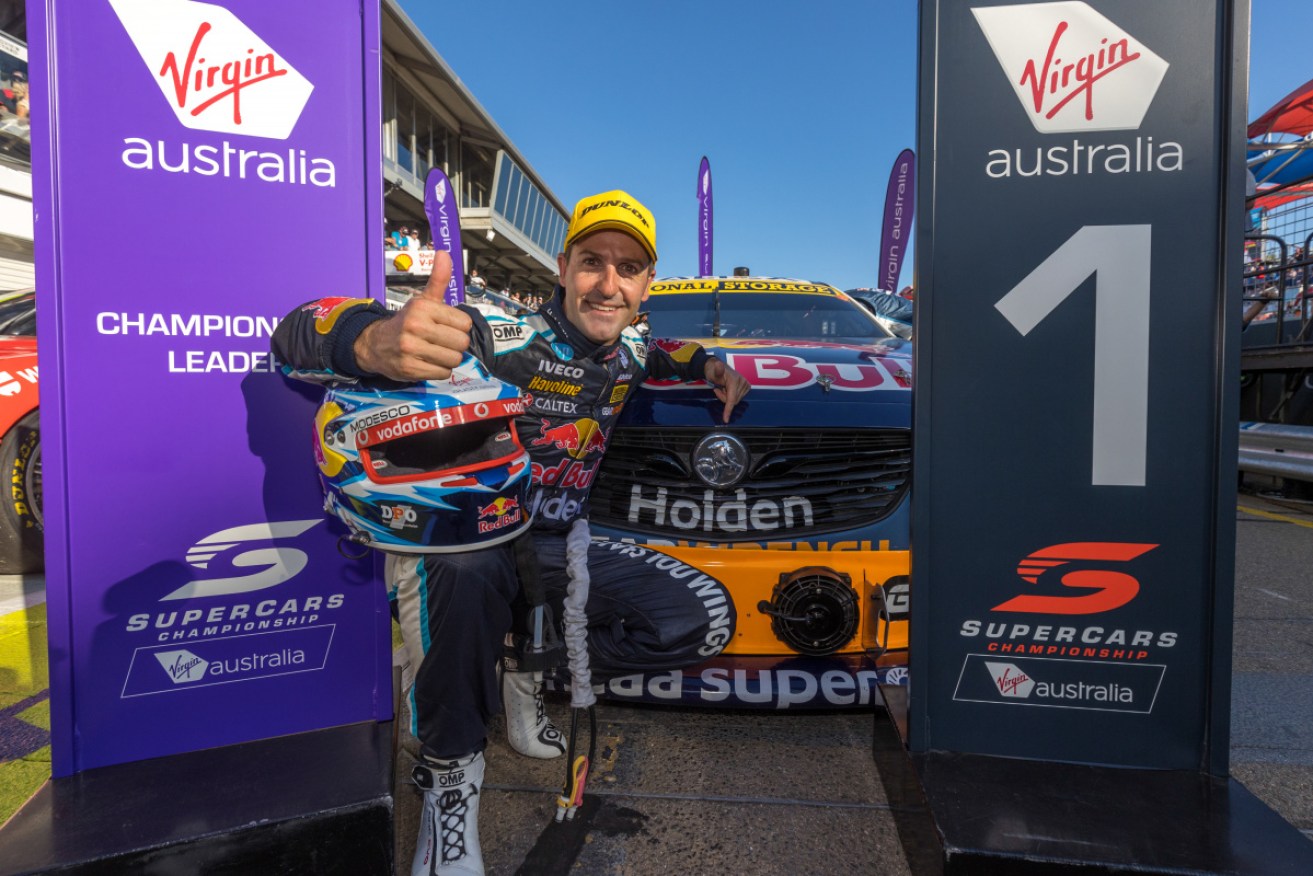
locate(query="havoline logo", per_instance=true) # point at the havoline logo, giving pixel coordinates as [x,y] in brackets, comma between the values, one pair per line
[1072,69]
[215,73]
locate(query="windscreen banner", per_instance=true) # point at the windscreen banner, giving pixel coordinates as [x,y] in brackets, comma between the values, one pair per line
[196,594]
[444,226]
[1078,267]
[705,223]
[896,233]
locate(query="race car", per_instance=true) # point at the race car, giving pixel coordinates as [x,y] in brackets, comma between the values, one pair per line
[21,529]
[799,505]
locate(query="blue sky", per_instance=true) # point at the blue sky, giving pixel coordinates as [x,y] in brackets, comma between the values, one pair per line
[802,109]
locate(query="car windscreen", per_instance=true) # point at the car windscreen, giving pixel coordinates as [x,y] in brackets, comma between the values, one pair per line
[18,316]
[761,315]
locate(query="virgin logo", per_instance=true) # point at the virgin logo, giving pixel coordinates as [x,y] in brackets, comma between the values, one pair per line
[213,71]
[1071,68]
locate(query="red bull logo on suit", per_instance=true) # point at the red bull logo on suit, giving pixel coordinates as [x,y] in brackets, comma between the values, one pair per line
[578,438]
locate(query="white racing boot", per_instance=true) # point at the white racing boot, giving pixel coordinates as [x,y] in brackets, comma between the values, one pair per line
[528,728]
[449,827]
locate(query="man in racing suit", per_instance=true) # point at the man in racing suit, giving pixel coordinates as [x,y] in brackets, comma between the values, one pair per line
[576,360]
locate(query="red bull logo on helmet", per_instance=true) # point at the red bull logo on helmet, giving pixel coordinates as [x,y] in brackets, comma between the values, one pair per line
[503,511]
[578,438]
[499,507]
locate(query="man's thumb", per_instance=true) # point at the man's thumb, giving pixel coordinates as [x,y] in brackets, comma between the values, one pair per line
[436,288]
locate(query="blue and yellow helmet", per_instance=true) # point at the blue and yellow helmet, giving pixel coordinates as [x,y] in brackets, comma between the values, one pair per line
[428,468]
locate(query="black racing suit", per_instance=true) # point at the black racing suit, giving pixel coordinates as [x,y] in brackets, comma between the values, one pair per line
[645,611]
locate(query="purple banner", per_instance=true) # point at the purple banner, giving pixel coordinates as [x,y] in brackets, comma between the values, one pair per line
[705,229]
[444,226]
[898,207]
[195,592]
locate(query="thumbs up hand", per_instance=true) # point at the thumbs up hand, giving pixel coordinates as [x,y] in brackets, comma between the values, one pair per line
[422,341]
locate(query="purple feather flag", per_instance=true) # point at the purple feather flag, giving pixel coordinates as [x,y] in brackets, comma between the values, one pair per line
[899,201]
[444,225]
[704,218]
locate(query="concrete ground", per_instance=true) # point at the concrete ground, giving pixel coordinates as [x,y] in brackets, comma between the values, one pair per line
[1272,671]
[693,791]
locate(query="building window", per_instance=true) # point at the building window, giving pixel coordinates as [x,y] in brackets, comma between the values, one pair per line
[405,128]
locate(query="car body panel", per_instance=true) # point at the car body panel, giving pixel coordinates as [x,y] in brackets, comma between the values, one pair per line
[827,388]
[19,384]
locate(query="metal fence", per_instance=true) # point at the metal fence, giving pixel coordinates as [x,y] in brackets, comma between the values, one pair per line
[1277,449]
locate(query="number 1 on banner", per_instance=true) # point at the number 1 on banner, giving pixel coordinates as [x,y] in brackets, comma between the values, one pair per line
[1118,256]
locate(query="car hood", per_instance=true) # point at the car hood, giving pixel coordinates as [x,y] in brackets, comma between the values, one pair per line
[793,383]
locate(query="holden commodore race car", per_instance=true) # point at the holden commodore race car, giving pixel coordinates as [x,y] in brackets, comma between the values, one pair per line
[799,505]
[21,533]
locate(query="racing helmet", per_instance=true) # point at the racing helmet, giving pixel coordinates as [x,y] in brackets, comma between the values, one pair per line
[428,468]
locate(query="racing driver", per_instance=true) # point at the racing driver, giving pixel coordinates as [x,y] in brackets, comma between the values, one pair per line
[575,360]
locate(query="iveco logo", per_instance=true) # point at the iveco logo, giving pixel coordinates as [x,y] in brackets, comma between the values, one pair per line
[720,460]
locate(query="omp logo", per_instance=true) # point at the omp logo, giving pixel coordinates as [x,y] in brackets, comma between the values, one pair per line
[213,70]
[275,564]
[1071,68]
[1010,681]
[1111,589]
[182,666]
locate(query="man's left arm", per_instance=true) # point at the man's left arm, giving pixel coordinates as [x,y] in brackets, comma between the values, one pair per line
[689,361]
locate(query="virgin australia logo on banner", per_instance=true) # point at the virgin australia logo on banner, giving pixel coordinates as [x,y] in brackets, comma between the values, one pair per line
[1071,68]
[227,660]
[215,73]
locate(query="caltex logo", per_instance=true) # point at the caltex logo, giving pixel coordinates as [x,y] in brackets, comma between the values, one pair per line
[215,73]
[1071,68]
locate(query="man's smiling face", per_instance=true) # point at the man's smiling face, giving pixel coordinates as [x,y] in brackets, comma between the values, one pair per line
[604,278]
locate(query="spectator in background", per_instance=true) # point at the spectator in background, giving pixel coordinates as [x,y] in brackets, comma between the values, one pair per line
[476,280]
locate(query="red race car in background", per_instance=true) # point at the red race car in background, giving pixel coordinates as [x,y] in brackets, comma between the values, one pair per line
[21,530]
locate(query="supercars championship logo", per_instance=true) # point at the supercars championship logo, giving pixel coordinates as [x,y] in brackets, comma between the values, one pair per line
[1078,663]
[206,632]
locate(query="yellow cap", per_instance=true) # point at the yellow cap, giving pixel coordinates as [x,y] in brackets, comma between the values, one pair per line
[615,211]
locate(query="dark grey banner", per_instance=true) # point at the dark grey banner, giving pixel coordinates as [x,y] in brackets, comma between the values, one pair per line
[1077,271]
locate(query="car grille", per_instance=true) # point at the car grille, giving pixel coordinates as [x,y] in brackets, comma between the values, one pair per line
[800,482]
